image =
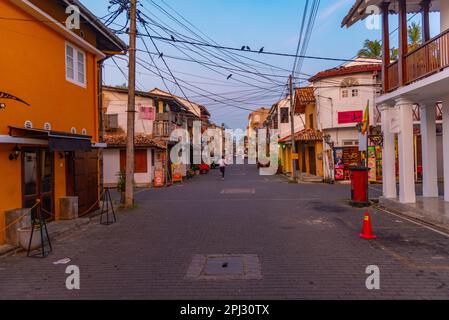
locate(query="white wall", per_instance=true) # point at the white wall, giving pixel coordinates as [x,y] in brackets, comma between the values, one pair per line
[117,103]
[111,169]
[111,166]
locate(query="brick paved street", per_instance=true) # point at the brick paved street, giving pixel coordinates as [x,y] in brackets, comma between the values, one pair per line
[305,237]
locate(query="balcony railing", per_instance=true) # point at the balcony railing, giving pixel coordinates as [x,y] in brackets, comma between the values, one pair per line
[430,58]
[162,129]
[393,76]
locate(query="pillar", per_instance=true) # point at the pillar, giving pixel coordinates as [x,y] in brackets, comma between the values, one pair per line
[429,151]
[444,15]
[425,12]
[403,41]
[388,154]
[385,46]
[446,146]
[406,152]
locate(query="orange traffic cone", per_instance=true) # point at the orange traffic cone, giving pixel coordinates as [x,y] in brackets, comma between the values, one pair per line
[367,231]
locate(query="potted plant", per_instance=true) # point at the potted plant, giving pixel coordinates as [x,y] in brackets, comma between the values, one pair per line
[121,185]
[196,168]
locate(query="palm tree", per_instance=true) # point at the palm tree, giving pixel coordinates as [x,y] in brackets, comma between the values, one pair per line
[414,36]
[394,53]
[372,49]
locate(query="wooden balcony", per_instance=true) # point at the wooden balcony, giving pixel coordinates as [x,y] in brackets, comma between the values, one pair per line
[428,59]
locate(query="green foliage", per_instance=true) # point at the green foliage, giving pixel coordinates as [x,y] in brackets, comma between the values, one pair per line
[372,49]
[121,183]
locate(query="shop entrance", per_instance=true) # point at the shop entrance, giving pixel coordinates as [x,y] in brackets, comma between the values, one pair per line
[38,180]
[312,161]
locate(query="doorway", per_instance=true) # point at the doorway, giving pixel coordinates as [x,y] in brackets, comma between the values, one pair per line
[38,180]
[312,161]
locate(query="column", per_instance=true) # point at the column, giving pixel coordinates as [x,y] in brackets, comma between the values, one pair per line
[388,154]
[444,15]
[385,46]
[403,41]
[446,146]
[425,9]
[429,151]
[406,152]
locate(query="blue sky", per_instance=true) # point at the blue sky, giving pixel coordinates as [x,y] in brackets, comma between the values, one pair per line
[272,24]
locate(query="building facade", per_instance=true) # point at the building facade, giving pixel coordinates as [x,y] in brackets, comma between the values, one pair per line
[419,76]
[49,97]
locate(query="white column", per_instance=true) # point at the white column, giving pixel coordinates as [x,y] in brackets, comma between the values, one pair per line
[429,151]
[446,146]
[406,152]
[388,154]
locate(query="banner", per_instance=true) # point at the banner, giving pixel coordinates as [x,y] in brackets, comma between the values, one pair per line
[146,112]
[176,172]
[159,178]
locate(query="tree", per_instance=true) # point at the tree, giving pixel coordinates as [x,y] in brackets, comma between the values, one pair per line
[372,49]
[414,36]
[394,53]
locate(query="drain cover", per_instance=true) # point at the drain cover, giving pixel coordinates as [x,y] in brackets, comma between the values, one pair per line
[239,191]
[225,267]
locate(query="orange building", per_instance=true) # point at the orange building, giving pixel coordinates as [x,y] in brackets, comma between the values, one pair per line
[49,105]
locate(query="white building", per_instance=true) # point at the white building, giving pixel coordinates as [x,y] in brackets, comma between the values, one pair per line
[419,76]
[342,95]
[147,149]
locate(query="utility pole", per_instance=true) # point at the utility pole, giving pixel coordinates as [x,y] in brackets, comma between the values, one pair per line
[292,122]
[129,193]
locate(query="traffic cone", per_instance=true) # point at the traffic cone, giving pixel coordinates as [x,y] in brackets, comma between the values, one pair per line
[367,231]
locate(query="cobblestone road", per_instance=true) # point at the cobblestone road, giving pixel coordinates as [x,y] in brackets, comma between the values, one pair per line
[304,236]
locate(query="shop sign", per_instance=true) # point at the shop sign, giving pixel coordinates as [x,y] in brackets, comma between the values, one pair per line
[347,117]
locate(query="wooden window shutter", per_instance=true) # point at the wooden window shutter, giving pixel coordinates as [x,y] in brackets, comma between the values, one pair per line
[140,161]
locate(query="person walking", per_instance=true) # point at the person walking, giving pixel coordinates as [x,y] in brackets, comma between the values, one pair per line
[222,165]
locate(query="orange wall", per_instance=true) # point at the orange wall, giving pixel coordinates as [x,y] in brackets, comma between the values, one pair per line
[10,185]
[32,68]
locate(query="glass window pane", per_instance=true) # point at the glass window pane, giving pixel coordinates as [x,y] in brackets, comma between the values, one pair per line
[80,65]
[30,173]
[70,63]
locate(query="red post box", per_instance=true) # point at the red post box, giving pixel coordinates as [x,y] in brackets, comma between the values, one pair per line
[359,186]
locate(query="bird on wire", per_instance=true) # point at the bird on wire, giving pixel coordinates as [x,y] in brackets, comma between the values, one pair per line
[173,39]
[229,77]
[261,49]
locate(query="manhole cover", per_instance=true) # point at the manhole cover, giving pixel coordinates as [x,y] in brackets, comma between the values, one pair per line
[225,267]
[239,191]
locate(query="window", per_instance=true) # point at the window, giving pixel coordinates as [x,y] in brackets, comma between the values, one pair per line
[311,124]
[355,93]
[140,161]
[284,115]
[344,93]
[75,65]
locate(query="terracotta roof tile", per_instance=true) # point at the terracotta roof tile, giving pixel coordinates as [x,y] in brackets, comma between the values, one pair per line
[140,140]
[346,70]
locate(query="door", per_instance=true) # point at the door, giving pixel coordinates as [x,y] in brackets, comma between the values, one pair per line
[82,176]
[38,180]
[312,160]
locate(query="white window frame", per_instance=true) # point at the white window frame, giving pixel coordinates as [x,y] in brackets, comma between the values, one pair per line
[76,50]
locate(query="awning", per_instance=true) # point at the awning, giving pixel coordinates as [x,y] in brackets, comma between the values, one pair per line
[57,141]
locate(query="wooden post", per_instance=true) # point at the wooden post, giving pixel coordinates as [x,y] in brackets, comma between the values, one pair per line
[129,193]
[403,42]
[386,58]
[425,7]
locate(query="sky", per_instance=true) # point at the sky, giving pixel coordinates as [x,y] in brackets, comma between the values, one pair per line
[271,24]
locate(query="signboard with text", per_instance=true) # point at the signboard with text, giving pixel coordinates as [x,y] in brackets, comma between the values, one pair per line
[146,112]
[348,117]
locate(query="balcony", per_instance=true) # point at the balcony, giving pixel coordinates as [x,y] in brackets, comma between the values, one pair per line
[162,129]
[430,58]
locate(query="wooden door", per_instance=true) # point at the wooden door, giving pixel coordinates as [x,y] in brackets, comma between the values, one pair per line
[312,160]
[85,165]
